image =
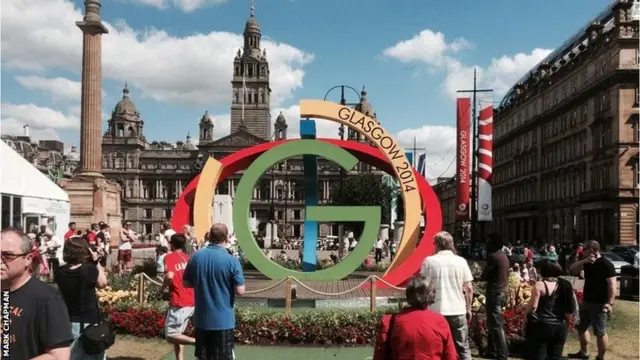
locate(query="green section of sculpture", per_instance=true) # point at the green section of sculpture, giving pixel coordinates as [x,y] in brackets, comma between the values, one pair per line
[370,215]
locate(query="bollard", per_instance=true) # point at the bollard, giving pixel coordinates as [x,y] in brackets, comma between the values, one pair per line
[140,289]
[287,301]
[372,295]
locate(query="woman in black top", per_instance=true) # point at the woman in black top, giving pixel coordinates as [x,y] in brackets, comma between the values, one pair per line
[77,282]
[551,300]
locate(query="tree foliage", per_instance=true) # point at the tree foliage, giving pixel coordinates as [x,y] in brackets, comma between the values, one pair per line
[363,189]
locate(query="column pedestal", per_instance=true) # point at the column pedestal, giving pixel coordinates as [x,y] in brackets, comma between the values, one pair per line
[398,229]
[384,232]
[94,199]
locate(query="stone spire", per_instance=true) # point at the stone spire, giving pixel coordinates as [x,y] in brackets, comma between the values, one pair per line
[91,98]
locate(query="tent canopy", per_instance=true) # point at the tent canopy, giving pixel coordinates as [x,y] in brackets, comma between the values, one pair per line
[19,177]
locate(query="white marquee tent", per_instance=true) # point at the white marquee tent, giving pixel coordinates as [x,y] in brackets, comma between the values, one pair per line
[40,197]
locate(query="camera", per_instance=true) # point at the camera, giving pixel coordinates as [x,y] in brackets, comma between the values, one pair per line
[102,260]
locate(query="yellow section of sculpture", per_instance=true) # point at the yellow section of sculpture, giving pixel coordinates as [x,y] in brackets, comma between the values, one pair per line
[403,169]
[203,202]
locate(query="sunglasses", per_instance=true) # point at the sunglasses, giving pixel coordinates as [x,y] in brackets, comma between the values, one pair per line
[7,256]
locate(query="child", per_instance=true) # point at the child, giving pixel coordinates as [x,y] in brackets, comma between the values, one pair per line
[161,252]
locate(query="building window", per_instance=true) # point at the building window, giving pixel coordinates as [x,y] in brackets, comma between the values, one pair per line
[148,213]
[296,214]
[167,213]
[148,229]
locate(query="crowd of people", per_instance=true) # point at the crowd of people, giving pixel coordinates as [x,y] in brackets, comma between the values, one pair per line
[434,325]
[200,285]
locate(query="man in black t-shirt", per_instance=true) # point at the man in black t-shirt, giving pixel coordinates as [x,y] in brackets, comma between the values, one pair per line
[599,292]
[496,274]
[39,323]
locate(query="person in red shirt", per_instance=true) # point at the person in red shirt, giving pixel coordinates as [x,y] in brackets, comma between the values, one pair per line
[71,232]
[416,332]
[181,299]
[91,235]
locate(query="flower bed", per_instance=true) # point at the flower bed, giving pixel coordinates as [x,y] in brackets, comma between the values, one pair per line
[313,327]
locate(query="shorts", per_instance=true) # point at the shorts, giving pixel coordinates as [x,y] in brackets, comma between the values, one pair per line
[215,344]
[592,315]
[177,320]
[124,256]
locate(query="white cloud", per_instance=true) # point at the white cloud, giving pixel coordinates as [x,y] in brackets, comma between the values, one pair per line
[427,46]
[59,88]
[184,5]
[39,117]
[15,127]
[38,35]
[438,54]
[43,122]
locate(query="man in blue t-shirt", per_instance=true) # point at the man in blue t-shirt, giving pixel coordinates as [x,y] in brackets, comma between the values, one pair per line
[217,278]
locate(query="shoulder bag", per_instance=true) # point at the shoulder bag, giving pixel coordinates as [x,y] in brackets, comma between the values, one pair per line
[95,338]
[387,352]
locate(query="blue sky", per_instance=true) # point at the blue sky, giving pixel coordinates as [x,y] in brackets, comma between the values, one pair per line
[178,59]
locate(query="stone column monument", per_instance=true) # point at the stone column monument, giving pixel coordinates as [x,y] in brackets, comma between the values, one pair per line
[93,198]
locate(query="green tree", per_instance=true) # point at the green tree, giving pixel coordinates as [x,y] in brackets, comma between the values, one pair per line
[363,189]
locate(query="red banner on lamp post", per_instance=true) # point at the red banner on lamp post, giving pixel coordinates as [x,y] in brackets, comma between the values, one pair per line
[463,158]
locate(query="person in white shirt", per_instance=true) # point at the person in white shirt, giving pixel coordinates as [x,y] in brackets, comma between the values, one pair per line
[165,234]
[379,248]
[452,279]
[127,237]
[353,244]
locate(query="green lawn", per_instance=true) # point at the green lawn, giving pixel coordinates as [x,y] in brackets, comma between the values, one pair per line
[291,353]
[623,339]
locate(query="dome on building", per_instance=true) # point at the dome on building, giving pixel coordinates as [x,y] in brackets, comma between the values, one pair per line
[207,119]
[126,107]
[364,106]
[252,25]
[189,145]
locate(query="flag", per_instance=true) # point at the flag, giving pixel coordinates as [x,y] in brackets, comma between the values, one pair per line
[485,163]
[409,155]
[421,167]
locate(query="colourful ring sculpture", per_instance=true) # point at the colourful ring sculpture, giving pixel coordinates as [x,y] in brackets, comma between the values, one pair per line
[241,160]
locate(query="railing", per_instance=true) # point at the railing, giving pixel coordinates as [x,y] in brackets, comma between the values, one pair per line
[289,281]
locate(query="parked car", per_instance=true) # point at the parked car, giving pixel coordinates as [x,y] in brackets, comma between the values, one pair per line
[627,253]
[617,261]
[517,256]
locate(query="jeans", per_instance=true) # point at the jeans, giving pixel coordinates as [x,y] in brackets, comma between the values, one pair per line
[546,341]
[77,352]
[592,315]
[460,333]
[497,342]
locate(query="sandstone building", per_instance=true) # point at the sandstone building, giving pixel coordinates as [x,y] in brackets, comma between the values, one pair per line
[152,174]
[566,140]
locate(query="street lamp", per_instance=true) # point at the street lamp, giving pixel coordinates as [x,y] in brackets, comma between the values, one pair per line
[169,193]
[343,102]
